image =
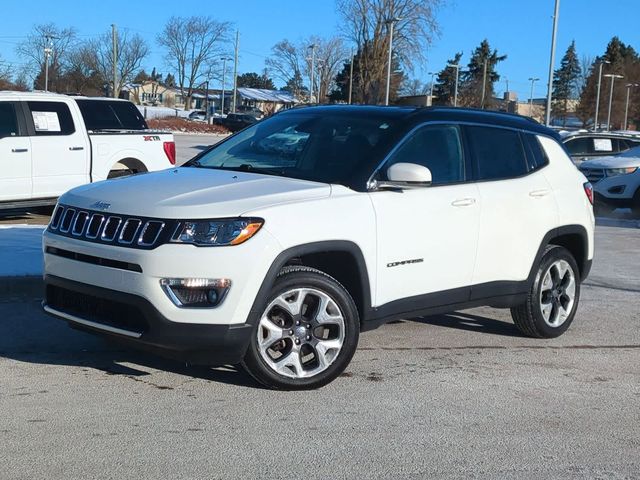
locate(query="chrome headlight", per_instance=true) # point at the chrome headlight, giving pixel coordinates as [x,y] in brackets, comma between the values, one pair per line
[612,172]
[217,233]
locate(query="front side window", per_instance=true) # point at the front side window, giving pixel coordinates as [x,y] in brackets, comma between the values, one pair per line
[498,152]
[8,120]
[322,147]
[437,147]
[51,118]
[580,146]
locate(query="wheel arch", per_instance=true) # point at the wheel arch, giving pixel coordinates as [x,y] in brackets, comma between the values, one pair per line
[131,163]
[341,259]
[572,237]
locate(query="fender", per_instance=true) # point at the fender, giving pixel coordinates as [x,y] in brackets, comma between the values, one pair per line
[281,260]
[102,163]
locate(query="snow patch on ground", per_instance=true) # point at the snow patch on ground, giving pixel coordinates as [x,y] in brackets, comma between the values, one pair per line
[20,250]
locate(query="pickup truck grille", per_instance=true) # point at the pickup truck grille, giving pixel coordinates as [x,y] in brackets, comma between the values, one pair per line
[112,229]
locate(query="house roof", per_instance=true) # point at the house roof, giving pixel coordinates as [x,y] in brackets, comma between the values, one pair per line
[264,95]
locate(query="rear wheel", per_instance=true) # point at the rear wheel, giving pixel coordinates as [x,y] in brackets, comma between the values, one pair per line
[306,334]
[553,299]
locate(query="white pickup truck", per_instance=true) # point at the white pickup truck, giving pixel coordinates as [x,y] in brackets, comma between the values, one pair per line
[50,143]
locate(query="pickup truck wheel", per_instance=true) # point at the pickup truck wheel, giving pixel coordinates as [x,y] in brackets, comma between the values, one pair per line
[306,334]
[553,298]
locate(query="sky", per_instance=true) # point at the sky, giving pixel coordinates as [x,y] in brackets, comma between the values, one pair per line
[521,29]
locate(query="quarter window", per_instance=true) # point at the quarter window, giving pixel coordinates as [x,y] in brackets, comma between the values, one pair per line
[51,118]
[8,120]
[499,153]
[437,147]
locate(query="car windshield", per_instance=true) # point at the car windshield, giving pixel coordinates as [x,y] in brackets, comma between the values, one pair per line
[323,147]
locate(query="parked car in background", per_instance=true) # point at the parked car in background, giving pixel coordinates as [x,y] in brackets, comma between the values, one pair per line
[587,145]
[277,246]
[616,180]
[256,112]
[51,143]
[237,121]
[198,115]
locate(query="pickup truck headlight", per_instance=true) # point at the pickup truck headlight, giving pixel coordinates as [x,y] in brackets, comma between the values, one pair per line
[217,233]
[612,172]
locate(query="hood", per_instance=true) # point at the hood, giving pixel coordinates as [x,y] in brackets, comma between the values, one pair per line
[611,162]
[193,193]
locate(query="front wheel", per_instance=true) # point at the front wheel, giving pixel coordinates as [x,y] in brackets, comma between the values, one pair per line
[306,334]
[553,298]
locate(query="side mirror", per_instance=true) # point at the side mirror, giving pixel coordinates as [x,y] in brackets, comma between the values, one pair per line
[406,175]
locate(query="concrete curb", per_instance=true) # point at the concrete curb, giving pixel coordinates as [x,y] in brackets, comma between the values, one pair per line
[24,286]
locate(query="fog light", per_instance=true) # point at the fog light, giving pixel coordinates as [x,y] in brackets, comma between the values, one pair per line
[196,292]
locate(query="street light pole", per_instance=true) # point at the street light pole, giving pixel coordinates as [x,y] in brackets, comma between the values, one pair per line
[224,73]
[351,77]
[391,22]
[313,66]
[626,105]
[552,61]
[47,52]
[613,79]
[595,120]
[532,80]
[455,94]
[484,83]
[431,91]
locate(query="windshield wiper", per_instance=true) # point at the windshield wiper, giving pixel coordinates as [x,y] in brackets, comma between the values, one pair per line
[245,167]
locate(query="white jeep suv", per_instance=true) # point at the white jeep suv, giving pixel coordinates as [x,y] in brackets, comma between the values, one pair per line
[276,247]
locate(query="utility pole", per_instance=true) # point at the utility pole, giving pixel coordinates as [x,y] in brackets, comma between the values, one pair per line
[552,61]
[235,73]
[613,77]
[484,84]
[224,73]
[114,41]
[595,120]
[391,22]
[351,77]
[313,66]
[532,80]
[626,105]
[455,95]
[48,50]
[431,90]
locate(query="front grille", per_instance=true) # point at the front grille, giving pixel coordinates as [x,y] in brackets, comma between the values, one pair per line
[593,174]
[105,262]
[96,309]
[120,230]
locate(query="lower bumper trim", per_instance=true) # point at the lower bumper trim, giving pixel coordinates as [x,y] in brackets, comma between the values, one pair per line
[88,323]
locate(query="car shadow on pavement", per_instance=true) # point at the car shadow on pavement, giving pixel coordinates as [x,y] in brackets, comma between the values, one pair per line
[472,323]
[29,335]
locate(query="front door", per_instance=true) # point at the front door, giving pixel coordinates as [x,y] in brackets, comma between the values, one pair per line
[427,236]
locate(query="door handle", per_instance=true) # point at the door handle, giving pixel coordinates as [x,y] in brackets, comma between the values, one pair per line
[539,193]
[463,202]
[75,149]
[19,150]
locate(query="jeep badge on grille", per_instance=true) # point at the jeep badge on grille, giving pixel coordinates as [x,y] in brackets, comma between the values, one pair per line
[100,205]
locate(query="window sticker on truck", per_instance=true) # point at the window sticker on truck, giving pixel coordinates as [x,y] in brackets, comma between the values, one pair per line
[46,121]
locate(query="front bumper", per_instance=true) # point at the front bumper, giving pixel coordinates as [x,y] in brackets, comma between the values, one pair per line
[133,320]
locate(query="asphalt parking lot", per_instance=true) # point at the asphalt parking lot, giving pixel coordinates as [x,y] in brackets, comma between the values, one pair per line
[460,395]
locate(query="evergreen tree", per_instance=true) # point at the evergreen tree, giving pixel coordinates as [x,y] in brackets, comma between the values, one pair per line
[254,80]
[445,84]
[169,81]
[565,81]
[296,86]
[474,77]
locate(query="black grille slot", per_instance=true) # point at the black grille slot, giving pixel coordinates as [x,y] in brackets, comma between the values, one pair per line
[129,230]
[79,223]
[57,216]
[67,220]
[94,226]
[150,232]
[95,309]
[111,228]
[105,262]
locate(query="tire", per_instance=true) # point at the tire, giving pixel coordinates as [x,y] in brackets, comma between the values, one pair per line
[635,203]
[553,298]
[120,173]
[286,355]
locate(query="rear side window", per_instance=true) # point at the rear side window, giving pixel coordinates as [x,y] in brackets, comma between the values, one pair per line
[498,153]
[437,147]
[51,118]
[111,115]
[8,120]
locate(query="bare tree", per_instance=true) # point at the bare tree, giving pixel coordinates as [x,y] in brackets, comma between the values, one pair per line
[287,63]
[82,71]
[193,45]
[60,41]
[414,87]
[329,56]
[132,50]
[367,24]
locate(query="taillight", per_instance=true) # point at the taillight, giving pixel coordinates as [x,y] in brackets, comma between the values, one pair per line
[170,150]
[588,189]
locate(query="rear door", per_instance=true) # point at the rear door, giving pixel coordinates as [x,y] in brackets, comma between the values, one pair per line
[518,204]
[15,154]
[60,147]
